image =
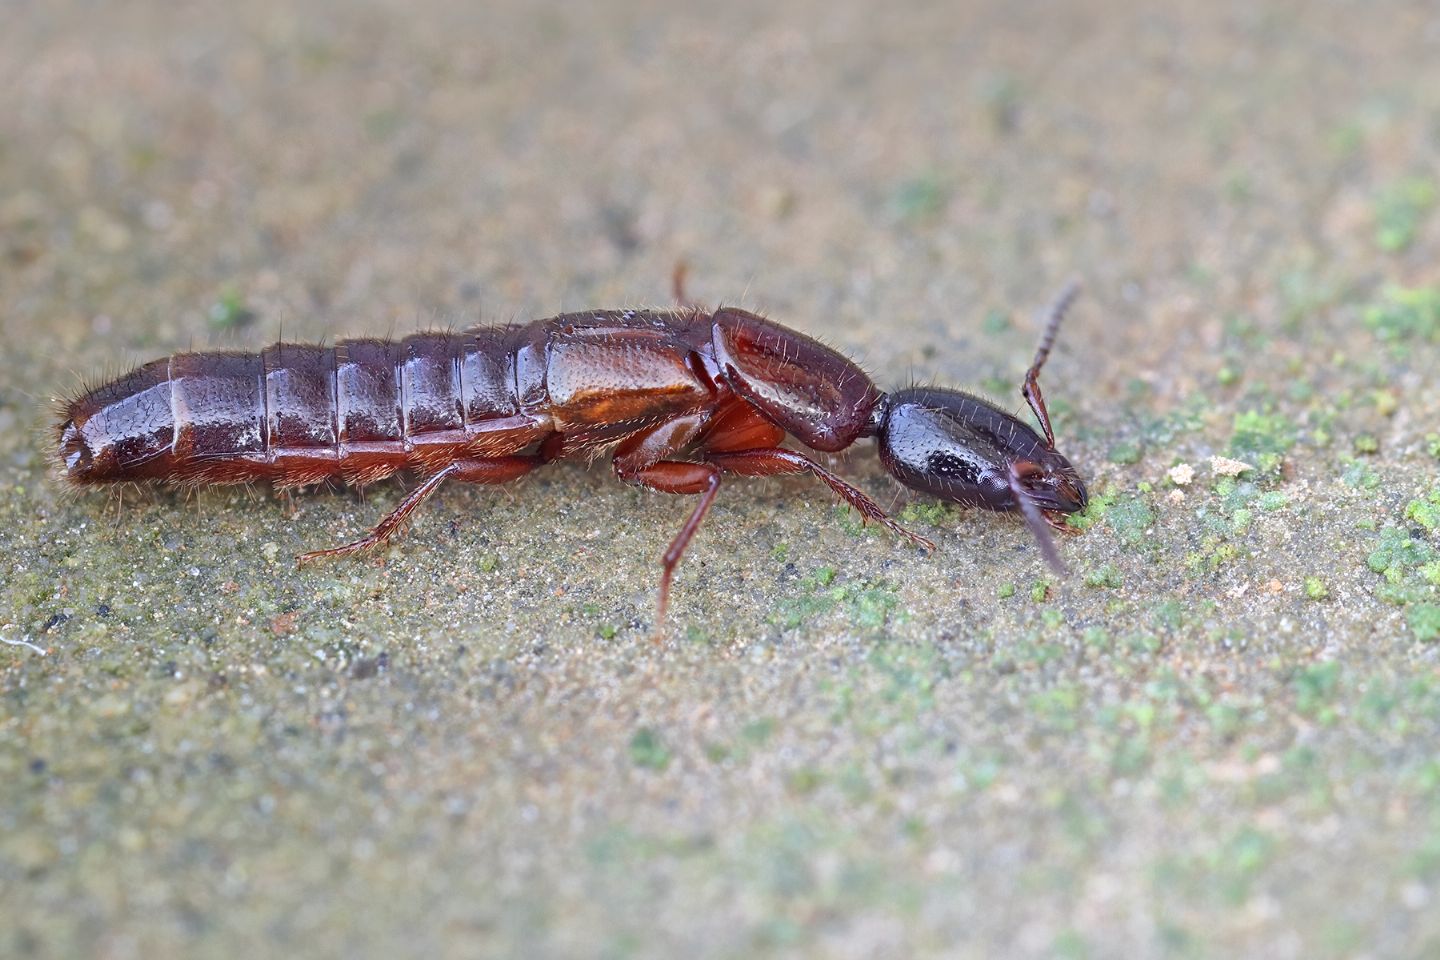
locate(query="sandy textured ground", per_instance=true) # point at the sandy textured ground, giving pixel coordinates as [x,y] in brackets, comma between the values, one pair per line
[1221,735]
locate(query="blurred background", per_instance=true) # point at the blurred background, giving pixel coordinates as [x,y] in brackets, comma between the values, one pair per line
[1217,737]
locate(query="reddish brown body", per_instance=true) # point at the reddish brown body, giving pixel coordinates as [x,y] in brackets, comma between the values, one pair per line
[681,396]
[362,410]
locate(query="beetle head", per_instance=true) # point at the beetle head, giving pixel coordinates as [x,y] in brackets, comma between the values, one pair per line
[963,449]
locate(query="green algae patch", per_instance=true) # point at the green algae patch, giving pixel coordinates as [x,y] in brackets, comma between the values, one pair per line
[867,604]
[1358,474]
[1106,577]
[1158,430]
[1411,568]
[1214,553]
[1240,500]
[921,199]
[933,512]
[230,312]
[1272,501]
[1095,510]
[996,322]
[1261,438]
[1425,511]
[1130,518]
[1058,707]
[1315,687]
[1424,621]
[1223,872]
[1128,515]
[647,751]
[852,522]
[1400,209]
[871,605]
[1407,313]
[1398,554]
[1125,452]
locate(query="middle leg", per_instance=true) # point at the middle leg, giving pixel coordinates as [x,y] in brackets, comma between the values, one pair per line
[677,476]
[641,460]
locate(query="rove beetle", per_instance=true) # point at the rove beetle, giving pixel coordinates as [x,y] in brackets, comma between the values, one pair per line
[679,398]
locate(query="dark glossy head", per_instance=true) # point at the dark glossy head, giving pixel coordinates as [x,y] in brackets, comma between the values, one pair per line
[962,449]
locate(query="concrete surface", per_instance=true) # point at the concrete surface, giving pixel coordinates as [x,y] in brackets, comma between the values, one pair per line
[1219,737]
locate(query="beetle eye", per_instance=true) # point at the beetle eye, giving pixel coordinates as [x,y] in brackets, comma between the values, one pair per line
[945,465]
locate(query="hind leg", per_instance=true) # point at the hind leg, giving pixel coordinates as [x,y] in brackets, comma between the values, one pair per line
[491,470]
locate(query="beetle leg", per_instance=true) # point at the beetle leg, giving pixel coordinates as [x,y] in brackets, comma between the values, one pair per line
[1030,389]
[677,476]
[640,460]
[491,470]
[1058,523]
[738,426]
[777,461]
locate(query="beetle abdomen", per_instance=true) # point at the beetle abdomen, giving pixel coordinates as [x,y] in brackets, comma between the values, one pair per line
[297,413]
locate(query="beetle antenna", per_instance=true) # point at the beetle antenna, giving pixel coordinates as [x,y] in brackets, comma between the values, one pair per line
[1030,389]
[1035,520]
